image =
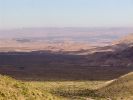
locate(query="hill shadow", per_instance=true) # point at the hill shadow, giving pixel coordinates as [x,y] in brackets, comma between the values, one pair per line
[49,66]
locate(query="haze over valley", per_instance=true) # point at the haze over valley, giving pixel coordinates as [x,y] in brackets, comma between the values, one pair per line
[59,39]
[66,50]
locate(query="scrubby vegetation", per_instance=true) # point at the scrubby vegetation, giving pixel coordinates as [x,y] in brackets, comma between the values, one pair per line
[11,89]
[119,89]
[72,90]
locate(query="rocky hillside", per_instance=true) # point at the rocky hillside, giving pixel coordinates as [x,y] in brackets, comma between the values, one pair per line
[120,89]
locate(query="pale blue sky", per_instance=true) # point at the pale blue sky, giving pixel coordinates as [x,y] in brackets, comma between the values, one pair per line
[65,13]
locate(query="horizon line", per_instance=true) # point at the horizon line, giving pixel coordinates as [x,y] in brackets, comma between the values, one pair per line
[98,27]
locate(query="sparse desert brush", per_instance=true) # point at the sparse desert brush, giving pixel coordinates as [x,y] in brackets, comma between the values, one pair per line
[120,89]
[11,89]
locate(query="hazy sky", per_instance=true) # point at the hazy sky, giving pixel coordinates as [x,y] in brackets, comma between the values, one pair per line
[65,13]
